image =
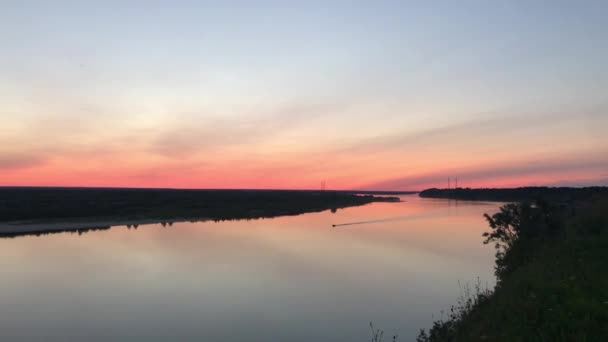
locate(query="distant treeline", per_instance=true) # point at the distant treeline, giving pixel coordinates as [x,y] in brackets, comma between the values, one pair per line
[25,203]
[558,194]
[381,192]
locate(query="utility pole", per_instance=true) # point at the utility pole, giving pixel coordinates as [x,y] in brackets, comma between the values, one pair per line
[448,183]
[456,182]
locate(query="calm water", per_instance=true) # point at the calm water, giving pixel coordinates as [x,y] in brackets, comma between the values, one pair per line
[283,279]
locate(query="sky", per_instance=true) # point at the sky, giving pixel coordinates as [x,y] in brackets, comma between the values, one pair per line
[385,95]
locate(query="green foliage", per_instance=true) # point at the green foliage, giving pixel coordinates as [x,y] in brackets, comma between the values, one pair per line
[514,228]
[552,278]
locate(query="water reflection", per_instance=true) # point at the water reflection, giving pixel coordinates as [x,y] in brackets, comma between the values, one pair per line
[290,278]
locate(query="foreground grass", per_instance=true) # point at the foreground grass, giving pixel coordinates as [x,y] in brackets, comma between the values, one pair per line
[555,290]
[561,295]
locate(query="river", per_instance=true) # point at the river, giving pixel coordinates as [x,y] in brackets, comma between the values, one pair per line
[292,278]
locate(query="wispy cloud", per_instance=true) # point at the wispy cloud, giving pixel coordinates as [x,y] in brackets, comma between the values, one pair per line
[12,162]
[544,171]
[488,126]
[191,134]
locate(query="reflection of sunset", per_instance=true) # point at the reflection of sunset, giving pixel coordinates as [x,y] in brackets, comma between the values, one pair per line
[237,268]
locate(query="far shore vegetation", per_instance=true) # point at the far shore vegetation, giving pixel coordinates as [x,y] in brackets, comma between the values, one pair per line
[547,194]
[20,206]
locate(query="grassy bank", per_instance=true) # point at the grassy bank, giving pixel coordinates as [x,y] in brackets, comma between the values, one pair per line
[552,277]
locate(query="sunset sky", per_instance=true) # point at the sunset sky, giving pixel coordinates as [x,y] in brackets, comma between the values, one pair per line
[387,95]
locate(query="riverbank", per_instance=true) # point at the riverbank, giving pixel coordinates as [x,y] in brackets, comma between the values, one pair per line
[21,228]
[552,279]
[43,210]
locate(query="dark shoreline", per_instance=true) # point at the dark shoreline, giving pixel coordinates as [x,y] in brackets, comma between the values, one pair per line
[552,194]
[44,210]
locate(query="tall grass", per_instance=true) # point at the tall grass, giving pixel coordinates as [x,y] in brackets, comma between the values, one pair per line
[377,335]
